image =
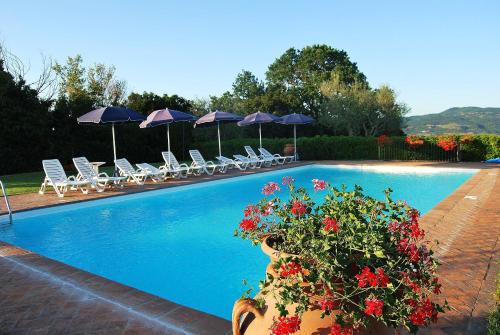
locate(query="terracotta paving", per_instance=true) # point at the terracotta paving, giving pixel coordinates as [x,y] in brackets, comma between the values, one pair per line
[42,296]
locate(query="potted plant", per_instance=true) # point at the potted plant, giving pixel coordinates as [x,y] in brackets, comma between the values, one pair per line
[348,264]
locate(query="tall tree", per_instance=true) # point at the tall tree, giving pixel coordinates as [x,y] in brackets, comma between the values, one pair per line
[360,110]
[24,127]
[294,79]
[98,83]
[103,86]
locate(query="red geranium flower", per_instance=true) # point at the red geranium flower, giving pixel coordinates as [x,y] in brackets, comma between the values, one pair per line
[423,312]
[287,180]
[318,184]
[247,224]
[374,306]
[251,210]
[327,303]
[330,224]
[382,279]
[270,188]
[285,325]
[366,277]
[290,269]
[340,330]
[298,207]
[437,286]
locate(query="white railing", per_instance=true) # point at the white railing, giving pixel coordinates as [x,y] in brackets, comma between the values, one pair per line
[4,193]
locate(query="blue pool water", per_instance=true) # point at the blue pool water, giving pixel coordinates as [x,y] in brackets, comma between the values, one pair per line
[178,243]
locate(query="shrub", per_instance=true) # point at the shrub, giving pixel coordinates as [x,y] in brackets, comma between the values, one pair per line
[473,148]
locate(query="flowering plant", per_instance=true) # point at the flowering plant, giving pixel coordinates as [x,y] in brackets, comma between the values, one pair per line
[413,140]
[383,140]
[447,143]
[357,258]
[467,139]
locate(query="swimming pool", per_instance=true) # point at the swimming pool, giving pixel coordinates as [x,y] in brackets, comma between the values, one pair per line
[178,243]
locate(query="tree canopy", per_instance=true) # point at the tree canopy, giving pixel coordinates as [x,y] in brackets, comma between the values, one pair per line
[317,80]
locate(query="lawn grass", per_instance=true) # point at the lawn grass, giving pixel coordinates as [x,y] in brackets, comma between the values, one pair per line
[30,182]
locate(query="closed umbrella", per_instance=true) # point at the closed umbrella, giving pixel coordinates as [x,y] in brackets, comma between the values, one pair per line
[295,119]
[166,116]
[111,115]
[217,117]
[258,118]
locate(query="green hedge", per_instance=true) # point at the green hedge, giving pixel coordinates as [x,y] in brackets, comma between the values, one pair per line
[480,147]
[309,148]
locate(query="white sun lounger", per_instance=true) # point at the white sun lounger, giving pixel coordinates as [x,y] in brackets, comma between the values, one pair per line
[251,163]
[173,167]
[277,157]
[138,176]
[57,178]
[241,165]
[199,164]
[156,173]
[98,181]
[266,161]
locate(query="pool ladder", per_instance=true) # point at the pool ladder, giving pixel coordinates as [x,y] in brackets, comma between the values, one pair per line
[7,203]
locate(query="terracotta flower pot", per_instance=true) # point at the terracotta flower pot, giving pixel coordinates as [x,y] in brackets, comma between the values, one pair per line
[258,321]
[289,149]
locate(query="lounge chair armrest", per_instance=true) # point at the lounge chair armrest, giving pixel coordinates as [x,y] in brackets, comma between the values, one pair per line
[210,163]
[103,175]
[184,165]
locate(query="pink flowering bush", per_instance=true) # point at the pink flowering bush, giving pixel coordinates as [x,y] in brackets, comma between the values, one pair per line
[360,260]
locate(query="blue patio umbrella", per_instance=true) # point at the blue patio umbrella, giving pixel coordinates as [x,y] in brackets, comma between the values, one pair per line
[217,117]
[166,116]
[258,118]
[295,119]
[111,115]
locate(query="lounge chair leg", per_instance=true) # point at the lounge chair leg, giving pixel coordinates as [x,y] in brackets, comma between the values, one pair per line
[42,188]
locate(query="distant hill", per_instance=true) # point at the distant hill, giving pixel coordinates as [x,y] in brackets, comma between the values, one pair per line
[456,120]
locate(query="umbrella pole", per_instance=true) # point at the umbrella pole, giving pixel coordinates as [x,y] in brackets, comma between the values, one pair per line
[295,142]
[260,135]
[168,140]
[114,143]
[218,135]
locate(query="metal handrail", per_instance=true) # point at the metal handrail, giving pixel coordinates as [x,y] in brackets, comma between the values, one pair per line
[7,203]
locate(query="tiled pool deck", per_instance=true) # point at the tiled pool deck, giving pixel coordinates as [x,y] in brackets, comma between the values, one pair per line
[42,296]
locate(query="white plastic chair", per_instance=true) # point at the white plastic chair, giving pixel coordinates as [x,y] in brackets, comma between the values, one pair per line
[239,164]
[99,181]
[173,167]
[277,157]
[199,164]
[57,178]
[126,169]
[266,161]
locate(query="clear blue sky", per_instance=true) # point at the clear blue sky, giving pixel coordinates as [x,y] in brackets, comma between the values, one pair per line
[436,54]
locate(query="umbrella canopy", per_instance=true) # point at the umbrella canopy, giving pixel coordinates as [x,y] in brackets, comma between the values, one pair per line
[295,119]
[258,118]
[166,116]
[111,115]
[217,117]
